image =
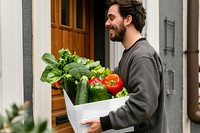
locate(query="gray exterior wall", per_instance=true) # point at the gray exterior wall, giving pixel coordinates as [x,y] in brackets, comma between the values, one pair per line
[195,128]
[173,11]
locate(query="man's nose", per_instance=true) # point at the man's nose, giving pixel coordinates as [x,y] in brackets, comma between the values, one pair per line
[107,24]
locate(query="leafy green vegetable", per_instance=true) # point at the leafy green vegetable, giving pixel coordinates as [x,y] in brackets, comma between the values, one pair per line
[100,72]
[54,70]
[66,57]
[50,60]
[83,60]
[68,69]
[122,93]
[54,76]
[45,73]
[93,64]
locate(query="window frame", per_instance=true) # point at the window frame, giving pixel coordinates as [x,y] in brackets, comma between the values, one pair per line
[72,16]
[71,5]
[84,17]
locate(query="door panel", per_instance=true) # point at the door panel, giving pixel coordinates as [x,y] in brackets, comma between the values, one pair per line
[70,28]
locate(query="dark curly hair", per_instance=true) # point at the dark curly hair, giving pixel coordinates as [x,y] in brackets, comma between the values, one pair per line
[133,8]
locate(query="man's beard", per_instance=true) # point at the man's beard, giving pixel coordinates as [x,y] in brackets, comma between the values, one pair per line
[119,33]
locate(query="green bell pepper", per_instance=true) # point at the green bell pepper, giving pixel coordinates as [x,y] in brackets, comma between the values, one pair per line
[98,92]
[122,93]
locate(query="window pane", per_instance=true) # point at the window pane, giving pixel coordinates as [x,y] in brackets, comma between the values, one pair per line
[65,12]
[79,14]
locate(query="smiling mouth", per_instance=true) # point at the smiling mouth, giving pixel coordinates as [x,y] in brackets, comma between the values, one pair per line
[112,29]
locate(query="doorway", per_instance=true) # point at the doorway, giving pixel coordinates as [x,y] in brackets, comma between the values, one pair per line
[72,28]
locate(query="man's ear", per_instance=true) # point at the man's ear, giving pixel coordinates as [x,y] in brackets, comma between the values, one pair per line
[128,20]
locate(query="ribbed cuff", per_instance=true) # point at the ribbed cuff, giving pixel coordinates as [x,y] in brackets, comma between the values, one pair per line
[105,123]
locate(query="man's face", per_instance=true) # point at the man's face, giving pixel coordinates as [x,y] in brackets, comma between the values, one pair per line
[115,24]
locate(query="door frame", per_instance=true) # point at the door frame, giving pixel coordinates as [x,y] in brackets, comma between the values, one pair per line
[41,44]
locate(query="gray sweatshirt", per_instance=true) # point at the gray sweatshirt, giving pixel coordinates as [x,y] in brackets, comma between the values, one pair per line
[142,72]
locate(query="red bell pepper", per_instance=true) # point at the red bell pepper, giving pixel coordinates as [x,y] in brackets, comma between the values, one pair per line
[114,83]
[57,84]
[94,80]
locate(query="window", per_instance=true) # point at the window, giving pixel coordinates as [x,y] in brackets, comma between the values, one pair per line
[65,12]
[72,14]
[79,14]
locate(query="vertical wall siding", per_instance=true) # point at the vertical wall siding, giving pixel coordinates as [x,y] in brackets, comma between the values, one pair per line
[1,90]
[11,53]
[41,44]
[116,50]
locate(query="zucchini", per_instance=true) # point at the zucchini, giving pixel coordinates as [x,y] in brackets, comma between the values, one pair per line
[82,91]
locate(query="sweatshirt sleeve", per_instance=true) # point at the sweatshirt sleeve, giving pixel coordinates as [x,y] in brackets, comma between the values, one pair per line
[144,85]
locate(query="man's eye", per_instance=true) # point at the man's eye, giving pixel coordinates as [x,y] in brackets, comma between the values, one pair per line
[111,18]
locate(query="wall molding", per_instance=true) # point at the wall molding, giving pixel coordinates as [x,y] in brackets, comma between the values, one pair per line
[153,23]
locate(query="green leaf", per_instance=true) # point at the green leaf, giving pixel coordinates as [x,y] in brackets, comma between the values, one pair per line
[20,123]
[54,76]
[15,110]
[41,127]
[64,53]
[9,115]
[1,121]
[50,60]
[82,60]
[45,73]
[28,125]
[17,127]
[92,64]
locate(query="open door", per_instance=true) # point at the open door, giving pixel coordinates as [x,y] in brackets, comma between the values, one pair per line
[72,28]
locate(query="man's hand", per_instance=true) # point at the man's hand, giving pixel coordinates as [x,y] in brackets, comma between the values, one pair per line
[95,125]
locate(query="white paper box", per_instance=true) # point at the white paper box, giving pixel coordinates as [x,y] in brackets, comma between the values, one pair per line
[90,110]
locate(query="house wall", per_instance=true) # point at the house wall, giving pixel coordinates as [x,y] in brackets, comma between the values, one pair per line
[41,35]
[176,104]
[11,58]
[172,60]
[21,49]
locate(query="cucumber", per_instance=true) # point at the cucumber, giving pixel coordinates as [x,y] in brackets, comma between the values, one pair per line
[70,88]
[82,91]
